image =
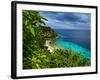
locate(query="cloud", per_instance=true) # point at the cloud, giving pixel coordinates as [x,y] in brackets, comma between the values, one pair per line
[67,20]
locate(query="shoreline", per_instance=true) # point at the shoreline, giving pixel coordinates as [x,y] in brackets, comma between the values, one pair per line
[51,47]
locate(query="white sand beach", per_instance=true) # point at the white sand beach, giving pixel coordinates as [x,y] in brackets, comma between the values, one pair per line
[50,45]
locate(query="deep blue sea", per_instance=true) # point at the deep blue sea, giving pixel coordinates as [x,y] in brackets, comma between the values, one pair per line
[77,40]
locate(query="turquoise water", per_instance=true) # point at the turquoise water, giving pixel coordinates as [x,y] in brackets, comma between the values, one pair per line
[72,46]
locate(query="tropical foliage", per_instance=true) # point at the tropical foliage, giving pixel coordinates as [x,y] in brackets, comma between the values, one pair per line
[35,53]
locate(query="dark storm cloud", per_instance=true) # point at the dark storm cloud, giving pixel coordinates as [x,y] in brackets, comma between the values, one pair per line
[67,19]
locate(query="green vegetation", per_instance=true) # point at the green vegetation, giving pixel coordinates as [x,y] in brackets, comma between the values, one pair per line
[35,54]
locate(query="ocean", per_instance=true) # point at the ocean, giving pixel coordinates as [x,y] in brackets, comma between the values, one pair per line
[77,40]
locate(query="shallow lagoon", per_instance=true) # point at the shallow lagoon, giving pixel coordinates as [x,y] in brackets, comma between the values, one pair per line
[72,46]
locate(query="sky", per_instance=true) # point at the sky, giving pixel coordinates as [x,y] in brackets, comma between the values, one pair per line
[67,20]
